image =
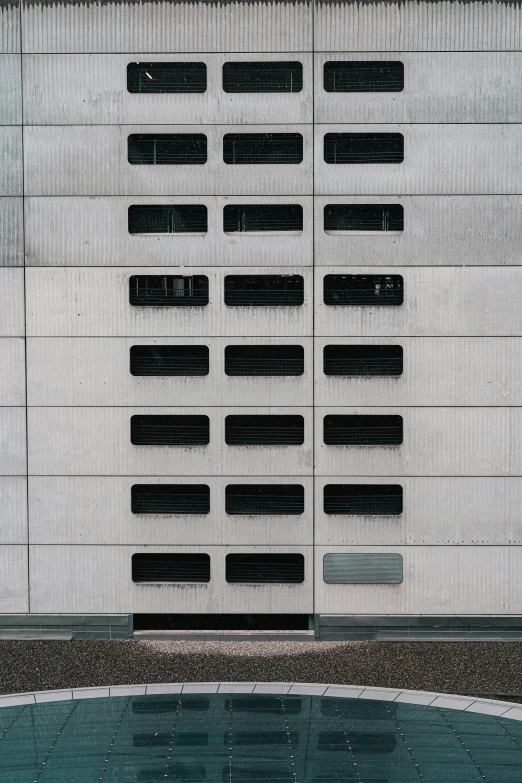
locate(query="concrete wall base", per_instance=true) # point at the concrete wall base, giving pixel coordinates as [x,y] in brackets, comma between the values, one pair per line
[475,628]
[75,626]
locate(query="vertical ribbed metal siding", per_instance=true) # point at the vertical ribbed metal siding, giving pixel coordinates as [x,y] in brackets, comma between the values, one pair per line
[362,569]
[11,152]
[11,232]
[9,26]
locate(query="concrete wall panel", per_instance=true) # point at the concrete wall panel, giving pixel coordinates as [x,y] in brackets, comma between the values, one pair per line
[12,376]
[14,584]
[11,302]
[9,26]
[13,511]
[11,154]
[12,442]
[11,231]
[10,89]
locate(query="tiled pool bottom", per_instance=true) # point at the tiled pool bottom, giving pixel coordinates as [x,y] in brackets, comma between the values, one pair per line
[261,738]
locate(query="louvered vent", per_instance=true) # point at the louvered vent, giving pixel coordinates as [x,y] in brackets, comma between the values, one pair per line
[170,430]
[265,148]
[168,149]
[168,291]
[168,219]
[254,499]
[345,218]
[363,499]
[282,76]
[163,360]
[171,567]
[362,569]
[264,430]
[166,77]
[373,290]
[364,148]
[364,76]
[265,568]
[357,430]
[262,218]
[170,499]
[383,360]
[264,360]
[264,290]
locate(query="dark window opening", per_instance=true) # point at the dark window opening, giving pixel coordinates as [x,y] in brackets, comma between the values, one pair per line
[264,290]
[258,218]
[158,149]
[167,219]
[364,148]
[358,710]
[359,430]
[183,773]
[264,430]
[270,705]
[265,568]
[254,499]
[170,499]
[166,77]
[264,360]
[266,148]
[163,360]
[263,76]
[380,290]
[165,703]
[363,217]
[362,360]
[363,499]
[171,567]
[168,291]
[364,76]
[167,430]
[360,742]
[224,622]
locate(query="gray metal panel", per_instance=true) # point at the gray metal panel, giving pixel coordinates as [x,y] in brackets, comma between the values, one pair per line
[14,585]
[10,26]
[11,231]
[11,153]
[13,510]
[11,302]
[12,376]
[362,569]
[10,89]
[13,460]
[438,159]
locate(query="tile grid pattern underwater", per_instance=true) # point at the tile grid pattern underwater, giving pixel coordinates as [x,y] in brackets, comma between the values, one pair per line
[220,738]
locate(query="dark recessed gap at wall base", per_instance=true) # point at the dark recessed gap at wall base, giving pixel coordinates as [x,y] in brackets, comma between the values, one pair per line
[221,622]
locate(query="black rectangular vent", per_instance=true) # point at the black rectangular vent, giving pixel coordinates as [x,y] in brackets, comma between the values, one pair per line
[265,148]
[168,219]
[264,360]
[265,568]
[364,148]
[167,430]
[362,360]
[261,218]
[364,76]
[373,290]
[168,291]
[162,360]
[264,290]
[166,77]
[165,703]
[224,622]
[282,76]
[268,705]
[264,430]
[170,499]
[357,430]
[363,217]
[168,149]
[171,567]
[254,499]
[363,499]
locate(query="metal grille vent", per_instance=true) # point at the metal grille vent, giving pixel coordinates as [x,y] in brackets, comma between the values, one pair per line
[363,217]
[166,77]
[254,499]
[377,290]
[363,499]
[266,148]
[282,76]
[264,360]
[261,218]
[167,148]
[364,76]
[364,148]
[264,290]
[356,430]
[264,430]
[362,569]
[170,430]
[365,360]
[171,568]
[265,568]
[168,219]
[170,499]
[163,360]
[168,291]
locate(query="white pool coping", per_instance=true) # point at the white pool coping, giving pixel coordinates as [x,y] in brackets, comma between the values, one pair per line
[428,699]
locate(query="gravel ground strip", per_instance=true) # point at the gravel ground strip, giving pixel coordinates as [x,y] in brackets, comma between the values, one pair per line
[482,667]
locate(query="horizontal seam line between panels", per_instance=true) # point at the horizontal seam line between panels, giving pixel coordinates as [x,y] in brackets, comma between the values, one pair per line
[229,196]
[242,125]
[304,405]
[287,51]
